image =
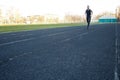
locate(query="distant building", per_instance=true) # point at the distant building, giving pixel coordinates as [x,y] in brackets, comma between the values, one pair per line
[107,18]
[118,13]
[51,18]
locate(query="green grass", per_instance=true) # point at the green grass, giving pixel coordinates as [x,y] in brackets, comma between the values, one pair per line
[27,27]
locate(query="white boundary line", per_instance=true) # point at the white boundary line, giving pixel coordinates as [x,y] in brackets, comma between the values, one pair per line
[116,54]
[17,41]
[78,35]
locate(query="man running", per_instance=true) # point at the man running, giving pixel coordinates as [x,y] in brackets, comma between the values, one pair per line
[88,13]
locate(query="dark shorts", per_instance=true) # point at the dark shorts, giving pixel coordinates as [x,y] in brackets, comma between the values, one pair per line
[88,18]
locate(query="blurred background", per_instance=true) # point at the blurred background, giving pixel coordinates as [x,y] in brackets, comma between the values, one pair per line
[57,11]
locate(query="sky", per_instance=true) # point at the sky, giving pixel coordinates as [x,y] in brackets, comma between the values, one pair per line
[61,7]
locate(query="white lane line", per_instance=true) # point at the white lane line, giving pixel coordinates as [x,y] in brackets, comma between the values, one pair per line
[30,34]
[17,41]
[116,54]
[116,44]
[53,34]
[26,35]
[30,38]
[78,35]
[68,39]
[56,34]
[13,34]
[18,36]
[23,35]
[12,58]
[8,43]
[116,76]
[118,59]
[4,38]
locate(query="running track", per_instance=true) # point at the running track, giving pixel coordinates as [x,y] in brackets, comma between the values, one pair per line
[70,53]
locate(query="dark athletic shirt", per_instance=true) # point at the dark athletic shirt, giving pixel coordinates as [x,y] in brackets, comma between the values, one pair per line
[88,12]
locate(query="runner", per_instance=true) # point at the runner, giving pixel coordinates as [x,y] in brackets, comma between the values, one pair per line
[88,13]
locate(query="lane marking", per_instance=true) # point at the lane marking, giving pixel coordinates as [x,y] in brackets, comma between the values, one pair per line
[26,53]
[79,35]
[13,34]
[5,38]
[56,34]
[116,54]
[26,35]
[66,39]
[10,59]
[2,63]
[17,41]
[61,33]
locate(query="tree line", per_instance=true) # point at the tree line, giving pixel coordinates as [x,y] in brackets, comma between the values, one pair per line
[13,16]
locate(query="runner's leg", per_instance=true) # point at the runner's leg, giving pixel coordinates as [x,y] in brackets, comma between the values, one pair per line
[87,22]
